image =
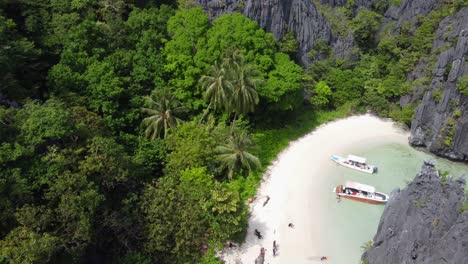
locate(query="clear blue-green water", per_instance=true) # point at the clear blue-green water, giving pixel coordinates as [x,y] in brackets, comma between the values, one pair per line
[347,225]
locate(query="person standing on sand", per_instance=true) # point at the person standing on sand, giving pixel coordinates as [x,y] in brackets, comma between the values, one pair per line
[266,201]
[258,234]
[275,249]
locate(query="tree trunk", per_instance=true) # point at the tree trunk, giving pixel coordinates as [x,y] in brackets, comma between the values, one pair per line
[233,126]
[204,114]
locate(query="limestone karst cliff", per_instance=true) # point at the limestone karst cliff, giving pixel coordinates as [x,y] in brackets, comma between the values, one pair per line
[423,223]
[441,124]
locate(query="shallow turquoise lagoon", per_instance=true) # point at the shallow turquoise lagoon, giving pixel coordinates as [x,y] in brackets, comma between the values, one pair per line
[347,225]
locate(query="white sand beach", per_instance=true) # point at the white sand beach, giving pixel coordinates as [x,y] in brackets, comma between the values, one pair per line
[294,184]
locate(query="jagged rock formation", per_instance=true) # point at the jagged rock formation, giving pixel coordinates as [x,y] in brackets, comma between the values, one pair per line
[409,10]
[441,124]
[423,223]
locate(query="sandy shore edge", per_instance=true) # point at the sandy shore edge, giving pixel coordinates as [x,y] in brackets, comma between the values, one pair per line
[291,181]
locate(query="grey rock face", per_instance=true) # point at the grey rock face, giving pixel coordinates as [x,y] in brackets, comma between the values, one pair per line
[423,223]
[409,10]
[441,124]
[279,17]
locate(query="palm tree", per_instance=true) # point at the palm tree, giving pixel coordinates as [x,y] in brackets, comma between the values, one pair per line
[244,79]
[235,155]
[163,109]
[217,87]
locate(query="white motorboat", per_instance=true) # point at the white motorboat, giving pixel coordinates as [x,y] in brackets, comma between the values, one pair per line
[360,192]
[355,162]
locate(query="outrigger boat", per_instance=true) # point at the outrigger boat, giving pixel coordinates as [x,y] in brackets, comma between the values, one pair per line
[355,162]
[360,192]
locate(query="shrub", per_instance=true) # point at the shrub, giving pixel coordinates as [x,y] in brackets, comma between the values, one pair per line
[462,85]
[449,131]
[464,206]
[365,26]
[322,95]
[403,115]
[437,95]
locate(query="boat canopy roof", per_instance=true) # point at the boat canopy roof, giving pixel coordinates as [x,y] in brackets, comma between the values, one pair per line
[357,159]
[360,186]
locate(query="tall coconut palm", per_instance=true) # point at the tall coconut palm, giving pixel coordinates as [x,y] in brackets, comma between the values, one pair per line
[235,155]
[217,87]
[163,110]
[244,78]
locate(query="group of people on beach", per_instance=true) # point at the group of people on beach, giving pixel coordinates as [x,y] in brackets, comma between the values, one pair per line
[275,245]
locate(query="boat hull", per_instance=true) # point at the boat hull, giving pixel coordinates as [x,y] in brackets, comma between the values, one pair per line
[362,199]
[374,198]
[341,161]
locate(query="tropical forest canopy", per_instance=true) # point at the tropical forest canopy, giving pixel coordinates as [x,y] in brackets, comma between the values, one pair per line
[128,128]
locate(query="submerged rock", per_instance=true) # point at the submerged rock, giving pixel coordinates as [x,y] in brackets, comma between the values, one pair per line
[423,223]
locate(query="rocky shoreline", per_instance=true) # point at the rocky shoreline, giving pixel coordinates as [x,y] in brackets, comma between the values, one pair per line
[423,223]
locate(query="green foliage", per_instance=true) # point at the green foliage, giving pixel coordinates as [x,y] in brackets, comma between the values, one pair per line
[26,246]
[16,58]
[238,32]
[403,115]
[179,214]
[365,26]
[147,29]
[443,176]
[458,4]
[288,43]
[346,86]
[218,89]
[367,245]
[449,131]
[456,113]
[186,27]
[75,201]
[244,78]
[235,156]
[135,258]
[192,145]
[41,123]
[105,163]
[462,85]
[437,95]
[338,18]
[322,93]
[364,261]
[104,88]
[464,206]
[321,50]
[163,110]
[283,87]
[424,36]
[150,156]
